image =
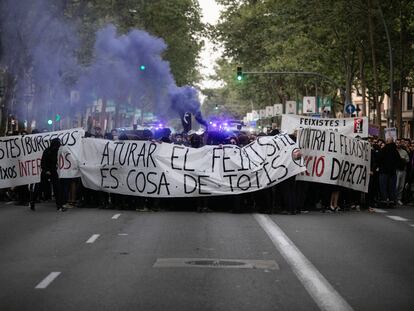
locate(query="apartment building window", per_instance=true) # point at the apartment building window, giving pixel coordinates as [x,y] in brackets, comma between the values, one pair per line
[409,100]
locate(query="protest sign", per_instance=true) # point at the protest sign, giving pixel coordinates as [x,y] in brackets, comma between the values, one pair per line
[20,156]
[162,170]
[346,126]
[390,132]
[335,159]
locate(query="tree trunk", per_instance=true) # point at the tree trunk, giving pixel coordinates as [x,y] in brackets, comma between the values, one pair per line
[9,84]
[400,97]
[365,109]
[348,86]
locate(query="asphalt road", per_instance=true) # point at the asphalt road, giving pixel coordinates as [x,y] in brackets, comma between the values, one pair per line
[105,261]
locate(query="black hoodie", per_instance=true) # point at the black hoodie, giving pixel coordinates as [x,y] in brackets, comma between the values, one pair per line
[50,157]
[389,158]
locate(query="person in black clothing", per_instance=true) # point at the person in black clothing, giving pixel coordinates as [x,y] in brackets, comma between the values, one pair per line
[373,187]
[388,161]
[290,188]
[49,173]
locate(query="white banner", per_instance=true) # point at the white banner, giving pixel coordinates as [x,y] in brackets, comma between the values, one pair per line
[166,170]
[333,158]
[262,113]
[347,126]
[20,156]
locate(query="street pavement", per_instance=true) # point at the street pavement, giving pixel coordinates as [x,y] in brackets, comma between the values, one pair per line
[92,259]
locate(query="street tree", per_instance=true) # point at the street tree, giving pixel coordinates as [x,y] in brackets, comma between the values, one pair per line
[344,40]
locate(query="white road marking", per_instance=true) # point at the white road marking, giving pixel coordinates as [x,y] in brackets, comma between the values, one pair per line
[47,280]
[412,225]
[93,238]
[378,210]
[122,233]
[325,296]
[8,203]
[116,216]
[398,218]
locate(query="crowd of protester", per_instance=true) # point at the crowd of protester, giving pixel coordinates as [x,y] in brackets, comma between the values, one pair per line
[391,181]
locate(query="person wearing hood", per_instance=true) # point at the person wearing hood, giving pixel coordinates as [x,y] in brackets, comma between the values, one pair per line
[49,166]
[388,164]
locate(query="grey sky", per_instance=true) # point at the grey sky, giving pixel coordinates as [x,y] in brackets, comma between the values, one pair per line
[211,13]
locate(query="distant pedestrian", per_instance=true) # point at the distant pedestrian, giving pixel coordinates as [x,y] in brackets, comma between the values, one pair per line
[401,170]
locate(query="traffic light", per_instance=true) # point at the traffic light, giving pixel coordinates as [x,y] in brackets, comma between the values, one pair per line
[57,117]
[50,122]
[239,73]
[216,108]
[142,67]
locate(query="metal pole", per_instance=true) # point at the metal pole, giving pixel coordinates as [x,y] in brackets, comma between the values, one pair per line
[391,118]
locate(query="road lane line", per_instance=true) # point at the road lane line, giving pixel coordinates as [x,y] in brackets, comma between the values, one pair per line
[325,296]
[47,280]
[412,225]
[398,218]
[378,210]
[116,216]
[122,234]
[93,238]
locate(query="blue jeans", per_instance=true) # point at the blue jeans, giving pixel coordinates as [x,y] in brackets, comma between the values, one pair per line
[400,184]
[388,186]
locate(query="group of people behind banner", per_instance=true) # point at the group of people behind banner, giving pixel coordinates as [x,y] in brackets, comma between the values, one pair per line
[392,170]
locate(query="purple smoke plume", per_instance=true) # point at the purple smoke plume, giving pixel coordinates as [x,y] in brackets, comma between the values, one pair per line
[185,99]
[115,72]
[35,34]
[38,47]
